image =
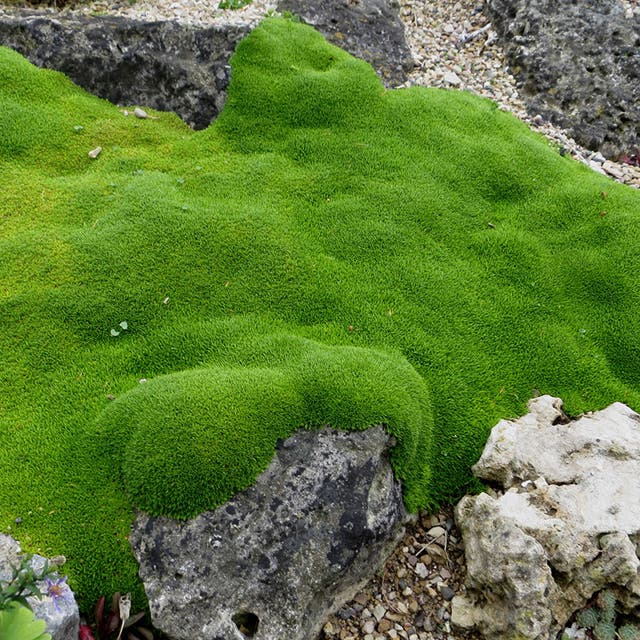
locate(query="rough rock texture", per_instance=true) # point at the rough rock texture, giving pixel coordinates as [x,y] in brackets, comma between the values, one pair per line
[62,621]
[368,29]
[275,560]
[564,525]
[163,65]
[578,65]
[185,68]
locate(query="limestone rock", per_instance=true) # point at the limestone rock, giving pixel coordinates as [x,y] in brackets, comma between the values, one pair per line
[565,523]
[276,559]
[62,621]
[578,65]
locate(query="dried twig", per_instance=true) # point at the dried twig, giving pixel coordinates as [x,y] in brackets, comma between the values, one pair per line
[465,37]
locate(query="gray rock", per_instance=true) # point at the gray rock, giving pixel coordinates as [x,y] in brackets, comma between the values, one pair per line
[577,64]
[62,618]
[565,523]
[280,556]
[368,29]
[162,65]
[185,68]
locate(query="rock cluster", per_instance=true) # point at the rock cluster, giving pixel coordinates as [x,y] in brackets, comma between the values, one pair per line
[563,526]
[276,559]
[183,66]
[456,46]
[578,65]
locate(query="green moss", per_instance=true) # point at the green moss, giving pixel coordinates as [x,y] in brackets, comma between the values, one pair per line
[326,253]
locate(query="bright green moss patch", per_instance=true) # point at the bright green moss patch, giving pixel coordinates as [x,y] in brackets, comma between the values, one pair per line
[326,253]
[195,437]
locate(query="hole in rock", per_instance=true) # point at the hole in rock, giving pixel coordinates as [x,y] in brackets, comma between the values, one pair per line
[246,622]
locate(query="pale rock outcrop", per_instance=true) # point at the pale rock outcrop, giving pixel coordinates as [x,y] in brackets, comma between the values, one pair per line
[277,558]
[563,525]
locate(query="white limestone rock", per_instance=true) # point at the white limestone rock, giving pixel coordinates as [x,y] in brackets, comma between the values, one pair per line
[565,524]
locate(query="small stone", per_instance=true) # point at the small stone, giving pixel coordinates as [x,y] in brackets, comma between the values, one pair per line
[368,627]
[361,598]
[452,79]
[384,625]
[612,169]
[346,613]
[329,629]
[407,592]
[437,533]
[378,612]
[446,592]
[421,570]
[140,113]
[394,617]
[94,153]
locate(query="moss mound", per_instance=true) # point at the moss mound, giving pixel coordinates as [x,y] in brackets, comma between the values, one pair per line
[190,440]
[326,252]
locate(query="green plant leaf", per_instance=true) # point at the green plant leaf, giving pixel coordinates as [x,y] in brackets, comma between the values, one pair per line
[604,631]
[588,618]
[18,623]
[629,632]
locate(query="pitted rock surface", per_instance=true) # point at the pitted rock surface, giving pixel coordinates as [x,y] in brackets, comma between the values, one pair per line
[162,65]
[368,29]
[564,524]
[578,65]
[275,560]
[185,68]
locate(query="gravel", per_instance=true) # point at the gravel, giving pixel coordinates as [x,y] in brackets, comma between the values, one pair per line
[410,598]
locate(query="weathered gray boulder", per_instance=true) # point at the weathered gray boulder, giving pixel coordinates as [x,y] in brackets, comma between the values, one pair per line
[578,65]
[275,560]
[162,65]
[368,29]
[564,524]
[184,68]
[62,616]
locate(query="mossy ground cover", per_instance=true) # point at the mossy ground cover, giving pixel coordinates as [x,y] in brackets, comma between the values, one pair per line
[327,252]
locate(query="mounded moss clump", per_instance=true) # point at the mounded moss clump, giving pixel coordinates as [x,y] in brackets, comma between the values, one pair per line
[326,253]
[190,440]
